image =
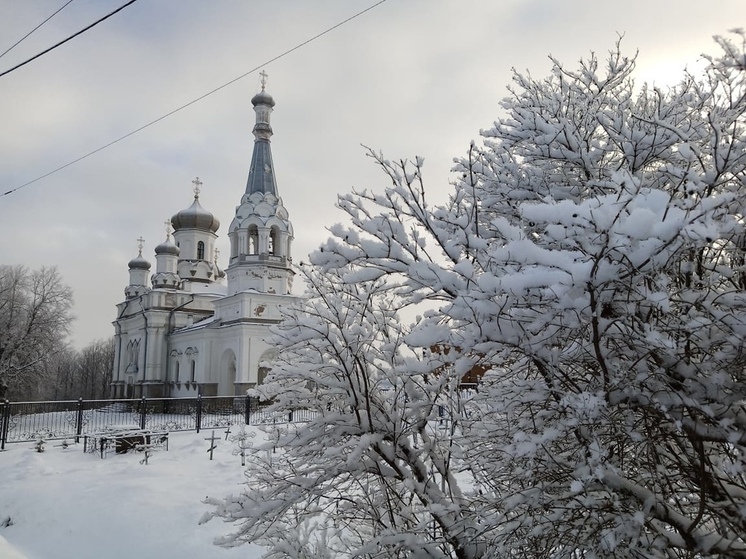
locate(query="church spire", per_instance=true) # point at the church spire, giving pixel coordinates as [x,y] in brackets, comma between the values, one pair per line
[261,233]
[262,171]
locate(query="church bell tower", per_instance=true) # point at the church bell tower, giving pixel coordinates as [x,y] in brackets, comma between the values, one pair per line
[261,233]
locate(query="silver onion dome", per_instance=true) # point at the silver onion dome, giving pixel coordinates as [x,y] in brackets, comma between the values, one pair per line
[139,263]
[195,217]
[167,247]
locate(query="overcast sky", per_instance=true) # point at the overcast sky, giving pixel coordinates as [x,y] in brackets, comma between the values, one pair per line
[409,77]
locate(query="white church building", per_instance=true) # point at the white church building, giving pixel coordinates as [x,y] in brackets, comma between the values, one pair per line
[191,328]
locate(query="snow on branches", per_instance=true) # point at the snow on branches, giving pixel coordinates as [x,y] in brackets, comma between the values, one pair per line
[591,260]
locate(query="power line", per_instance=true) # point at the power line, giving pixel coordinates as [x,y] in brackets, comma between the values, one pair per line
[19,41]
[42,53]
[190,103]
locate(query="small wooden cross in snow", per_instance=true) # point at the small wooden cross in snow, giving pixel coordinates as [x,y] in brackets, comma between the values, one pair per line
[213,446]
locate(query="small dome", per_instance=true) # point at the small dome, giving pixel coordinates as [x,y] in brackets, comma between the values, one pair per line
[195,217]
[167,247]
[139,263]
[262,98]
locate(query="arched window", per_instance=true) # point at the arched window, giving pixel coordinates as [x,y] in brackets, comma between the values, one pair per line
[253,240]
[191,374]
[133,354]
[273,240]
[176,371]
[200,250]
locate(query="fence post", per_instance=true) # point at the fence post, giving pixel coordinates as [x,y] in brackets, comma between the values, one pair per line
[143,412]
[79,421]
[199,411]
[4,423]
[247,410]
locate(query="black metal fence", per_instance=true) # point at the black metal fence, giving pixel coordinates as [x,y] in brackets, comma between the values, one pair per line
[70,419]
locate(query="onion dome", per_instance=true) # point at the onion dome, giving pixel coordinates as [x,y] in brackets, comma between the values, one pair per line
[195,216]
[262,98]
[138,262]
[167,247]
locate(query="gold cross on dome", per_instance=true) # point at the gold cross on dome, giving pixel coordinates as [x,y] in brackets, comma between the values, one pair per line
[197,183]
[263,74]
[140,242]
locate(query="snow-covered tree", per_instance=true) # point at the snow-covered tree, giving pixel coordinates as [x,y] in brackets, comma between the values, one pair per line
[370,474]
[34,321]
[591,258]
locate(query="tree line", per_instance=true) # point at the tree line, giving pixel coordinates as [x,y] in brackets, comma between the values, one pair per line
[36,361]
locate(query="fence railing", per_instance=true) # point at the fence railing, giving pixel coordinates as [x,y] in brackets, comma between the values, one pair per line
[71,419]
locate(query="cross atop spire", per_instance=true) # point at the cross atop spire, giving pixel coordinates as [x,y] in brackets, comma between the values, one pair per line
[197,183]
[216,253]
[167,223]
[140,242]
[263,74]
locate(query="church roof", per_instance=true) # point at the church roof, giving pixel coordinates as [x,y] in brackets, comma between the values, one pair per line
[139,263]
[195,216]
[167,247]
[262,170]
[263,98]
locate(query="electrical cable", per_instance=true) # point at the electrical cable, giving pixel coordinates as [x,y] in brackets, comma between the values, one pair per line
[18,42]
[190,103]
[42,53]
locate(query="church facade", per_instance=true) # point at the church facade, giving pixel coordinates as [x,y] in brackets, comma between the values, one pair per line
[192,328]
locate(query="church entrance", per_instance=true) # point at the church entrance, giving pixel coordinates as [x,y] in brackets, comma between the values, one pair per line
[227,376]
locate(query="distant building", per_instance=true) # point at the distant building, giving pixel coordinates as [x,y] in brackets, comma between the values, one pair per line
[191,327]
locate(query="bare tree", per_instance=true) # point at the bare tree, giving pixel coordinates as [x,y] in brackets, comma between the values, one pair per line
[95,363]
[35,317]
[84,373]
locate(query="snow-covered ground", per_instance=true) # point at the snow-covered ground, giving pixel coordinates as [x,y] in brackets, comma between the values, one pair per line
[64,503]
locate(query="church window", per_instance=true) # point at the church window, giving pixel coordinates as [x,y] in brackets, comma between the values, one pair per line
[275,240]
[200,250]
[176,371]
[193,369]
[133,356]
[253,240]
